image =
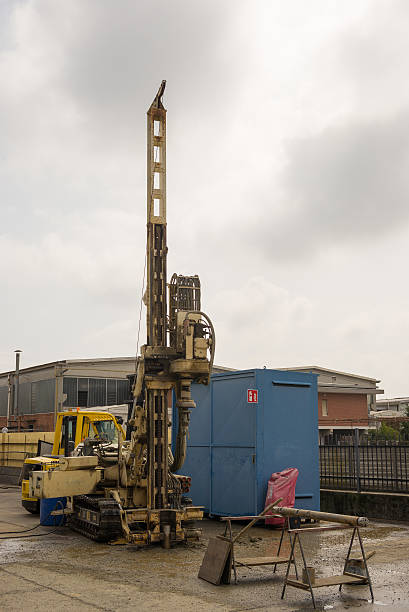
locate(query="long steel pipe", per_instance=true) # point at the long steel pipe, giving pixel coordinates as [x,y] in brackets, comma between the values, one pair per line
[360,521]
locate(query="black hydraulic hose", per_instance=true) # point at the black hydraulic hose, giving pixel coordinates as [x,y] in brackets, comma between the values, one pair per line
[181,440]
[35,535]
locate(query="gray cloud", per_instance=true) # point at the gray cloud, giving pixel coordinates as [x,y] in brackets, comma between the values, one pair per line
[372,54]
[114,59]
[346,185]
[287,137]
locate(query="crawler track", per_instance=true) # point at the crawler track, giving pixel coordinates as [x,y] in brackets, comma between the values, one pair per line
[96,518]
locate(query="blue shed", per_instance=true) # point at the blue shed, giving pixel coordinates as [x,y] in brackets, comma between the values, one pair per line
[238,438]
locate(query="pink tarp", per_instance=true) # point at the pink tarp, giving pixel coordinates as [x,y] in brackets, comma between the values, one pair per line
[281,484]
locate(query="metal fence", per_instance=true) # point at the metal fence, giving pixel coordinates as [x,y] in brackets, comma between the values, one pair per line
[382,467]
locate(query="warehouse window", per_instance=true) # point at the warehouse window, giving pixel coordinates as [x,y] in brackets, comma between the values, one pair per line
[97,392]
[324,408]
[83,392]
[111,392]
[91,392]
[123,391]
[70,389]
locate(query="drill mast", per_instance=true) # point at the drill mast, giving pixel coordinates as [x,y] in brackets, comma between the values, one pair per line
[156,249]
[177,345]
[138,493]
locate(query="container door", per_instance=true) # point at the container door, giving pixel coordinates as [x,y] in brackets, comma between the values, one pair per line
[233,457]
[291,409]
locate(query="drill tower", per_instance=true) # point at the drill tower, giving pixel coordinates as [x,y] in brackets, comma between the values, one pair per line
[136,494]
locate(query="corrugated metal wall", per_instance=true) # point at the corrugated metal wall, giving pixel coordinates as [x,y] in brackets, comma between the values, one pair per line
[34,397]
[42,395]
[39,396]
[3,400]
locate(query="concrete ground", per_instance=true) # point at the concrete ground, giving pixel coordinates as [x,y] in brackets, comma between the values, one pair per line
[65,571]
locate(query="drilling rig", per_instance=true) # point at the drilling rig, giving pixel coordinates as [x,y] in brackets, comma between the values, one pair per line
[137,497]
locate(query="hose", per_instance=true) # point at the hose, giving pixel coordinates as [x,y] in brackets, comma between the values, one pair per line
[36,535]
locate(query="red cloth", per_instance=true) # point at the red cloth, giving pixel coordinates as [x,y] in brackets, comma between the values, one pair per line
[281,484]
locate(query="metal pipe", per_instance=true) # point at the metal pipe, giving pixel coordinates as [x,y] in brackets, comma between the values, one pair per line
[269,508]
[9,399]
[360,521]
[16,382]
[166,536]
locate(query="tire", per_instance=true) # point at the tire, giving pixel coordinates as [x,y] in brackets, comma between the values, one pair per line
[31,506]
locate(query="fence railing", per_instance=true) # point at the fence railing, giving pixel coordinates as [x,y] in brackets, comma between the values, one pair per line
[381,467]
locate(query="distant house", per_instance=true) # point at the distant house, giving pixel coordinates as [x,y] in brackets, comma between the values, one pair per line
[344,400]
[398,404]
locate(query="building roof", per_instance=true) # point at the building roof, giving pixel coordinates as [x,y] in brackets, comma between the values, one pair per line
[393,400]
[311,368]
[42,366]
[95,360]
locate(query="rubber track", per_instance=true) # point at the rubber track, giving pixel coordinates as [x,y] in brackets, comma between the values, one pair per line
[109,528]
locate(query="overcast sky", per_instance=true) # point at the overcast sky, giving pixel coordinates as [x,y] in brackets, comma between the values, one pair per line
[288,155]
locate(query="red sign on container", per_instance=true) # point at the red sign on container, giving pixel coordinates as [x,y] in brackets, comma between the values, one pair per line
[252,396]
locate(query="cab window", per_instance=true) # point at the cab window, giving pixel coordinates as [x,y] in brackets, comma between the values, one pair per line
[68,429]
[106,430]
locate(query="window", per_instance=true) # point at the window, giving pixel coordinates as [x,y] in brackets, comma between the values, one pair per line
[123,391]
[111,392]
[91,392]
[97,392]
[107,430]
[70,388]
[324,408]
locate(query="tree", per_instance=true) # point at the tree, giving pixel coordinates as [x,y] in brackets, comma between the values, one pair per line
[404,427]
[385,432]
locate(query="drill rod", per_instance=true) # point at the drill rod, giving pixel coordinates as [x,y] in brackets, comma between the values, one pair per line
[360,521]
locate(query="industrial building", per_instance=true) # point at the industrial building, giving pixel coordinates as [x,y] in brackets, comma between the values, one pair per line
[344,400]
[396,404]
[49,388]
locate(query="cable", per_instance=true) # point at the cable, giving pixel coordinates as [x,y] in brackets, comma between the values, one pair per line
[23,530]
[140,311]
[59,503]
[32,535]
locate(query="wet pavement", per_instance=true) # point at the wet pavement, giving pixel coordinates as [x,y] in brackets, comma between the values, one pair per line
[65,571]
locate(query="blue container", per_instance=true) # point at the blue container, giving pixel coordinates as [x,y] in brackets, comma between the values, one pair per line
[235,445]
[47,506]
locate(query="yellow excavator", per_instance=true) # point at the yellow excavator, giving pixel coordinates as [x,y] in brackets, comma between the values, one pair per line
[138,498]
[74,430]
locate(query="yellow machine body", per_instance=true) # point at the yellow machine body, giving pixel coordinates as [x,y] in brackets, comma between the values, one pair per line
[71,429]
